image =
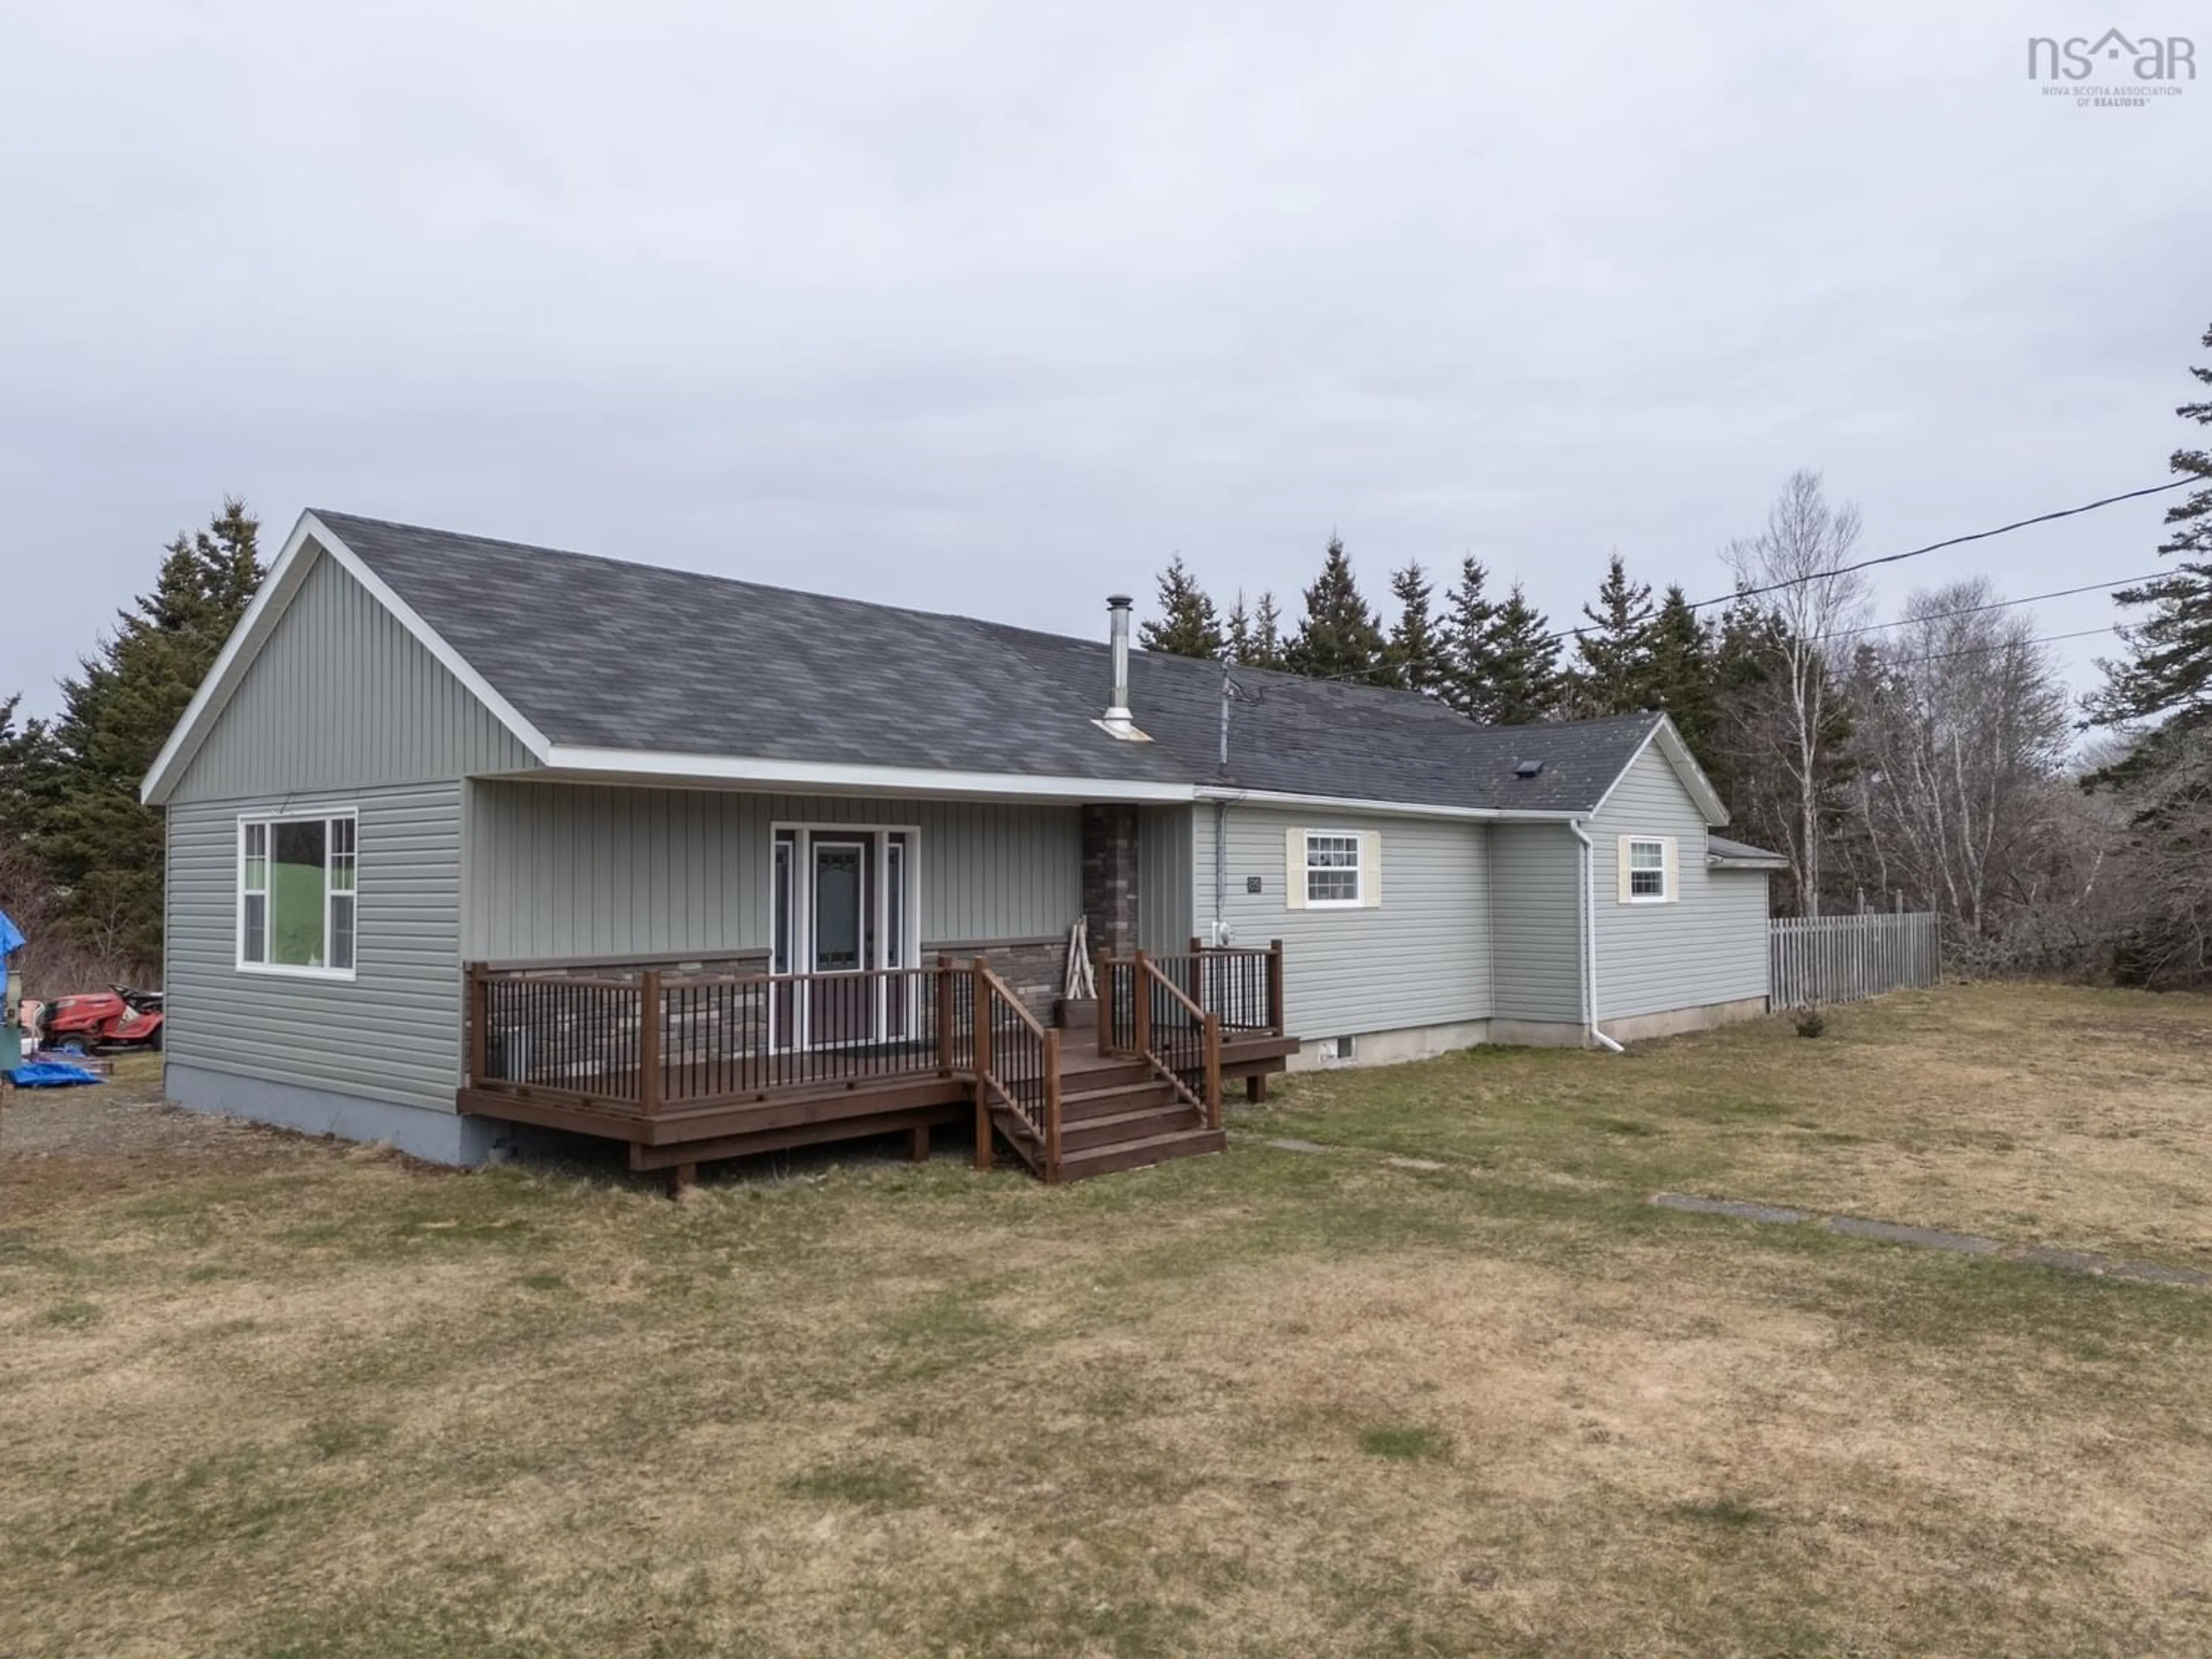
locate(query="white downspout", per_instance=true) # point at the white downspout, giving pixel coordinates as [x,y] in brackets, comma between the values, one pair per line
[1590,938]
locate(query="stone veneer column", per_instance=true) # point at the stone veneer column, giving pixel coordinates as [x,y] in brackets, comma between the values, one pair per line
[1109,877]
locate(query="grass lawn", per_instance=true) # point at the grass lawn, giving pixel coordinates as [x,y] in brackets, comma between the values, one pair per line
[265,1396]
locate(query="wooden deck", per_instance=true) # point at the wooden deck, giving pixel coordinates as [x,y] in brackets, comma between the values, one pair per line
[686,1067]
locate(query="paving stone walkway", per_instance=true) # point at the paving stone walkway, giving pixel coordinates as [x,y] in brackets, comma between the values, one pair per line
[1932,1238]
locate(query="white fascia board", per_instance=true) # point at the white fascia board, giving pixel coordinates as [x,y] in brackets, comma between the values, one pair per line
[840,778]
[1701,791]
[260,620]
[1387,808]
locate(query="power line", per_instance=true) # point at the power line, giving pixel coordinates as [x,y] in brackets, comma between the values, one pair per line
[1954,541]
[1975,610]
[2007,645]
[1563,634]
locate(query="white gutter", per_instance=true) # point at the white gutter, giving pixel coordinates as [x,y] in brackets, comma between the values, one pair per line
[1385,808]
[1590,938]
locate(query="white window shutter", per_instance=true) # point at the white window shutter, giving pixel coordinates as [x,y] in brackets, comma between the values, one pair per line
[1621,865]
[1370,869]
[1673,873]
[1294,869]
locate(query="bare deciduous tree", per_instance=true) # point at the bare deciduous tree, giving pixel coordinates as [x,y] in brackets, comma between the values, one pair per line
[1960,727]
[1798,568]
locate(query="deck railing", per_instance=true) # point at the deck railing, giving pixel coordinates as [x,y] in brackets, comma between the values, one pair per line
[1243,987]
[1149,1008]
[640,1038]
[673,1037]
[1017,1062]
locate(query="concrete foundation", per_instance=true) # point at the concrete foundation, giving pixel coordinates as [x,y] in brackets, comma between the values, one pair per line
[1388,1047]
[1635,1028]
[437,1137]
[1675,1021]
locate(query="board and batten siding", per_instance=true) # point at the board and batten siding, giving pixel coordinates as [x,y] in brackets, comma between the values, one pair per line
[343,696]
[1707,946]
[1421,957]
[578,870]
[393,1032]
[1166,836]
[1535,921]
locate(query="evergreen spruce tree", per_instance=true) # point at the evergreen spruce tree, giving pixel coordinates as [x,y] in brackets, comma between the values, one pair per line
[1187,626]
[1417,656]
[2166,683]
[1522,662]
[1469,685]
[1612,675]
[1339,638]
[1267,634]
[1236,631]
[1682,676]
[91,834]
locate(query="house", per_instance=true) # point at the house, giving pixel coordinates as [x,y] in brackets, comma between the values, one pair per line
[465,836]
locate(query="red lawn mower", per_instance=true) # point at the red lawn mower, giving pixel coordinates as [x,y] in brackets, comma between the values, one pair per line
[116,1017]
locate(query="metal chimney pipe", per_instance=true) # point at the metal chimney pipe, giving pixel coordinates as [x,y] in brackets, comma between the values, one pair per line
[1118,717]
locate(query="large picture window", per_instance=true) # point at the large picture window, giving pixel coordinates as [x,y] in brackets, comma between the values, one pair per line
[297,890]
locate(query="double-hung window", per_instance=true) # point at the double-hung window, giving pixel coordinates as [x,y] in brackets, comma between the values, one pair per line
[297,894]
[1647,871]
[1333,871]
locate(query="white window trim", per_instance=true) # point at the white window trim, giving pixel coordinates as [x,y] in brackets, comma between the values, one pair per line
[804,833]
[281,970]
[1359,878]
[1665,894]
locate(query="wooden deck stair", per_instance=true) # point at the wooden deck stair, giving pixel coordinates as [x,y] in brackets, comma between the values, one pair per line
[1118,1115]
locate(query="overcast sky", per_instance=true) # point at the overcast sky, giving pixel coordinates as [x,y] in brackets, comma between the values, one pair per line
[992,308]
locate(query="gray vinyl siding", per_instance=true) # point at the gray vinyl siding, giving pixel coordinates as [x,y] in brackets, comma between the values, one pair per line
[1422,957]
[391,1033]
[343,696]
[1535,917]
[1167,837]
[1709,946]
[567,870]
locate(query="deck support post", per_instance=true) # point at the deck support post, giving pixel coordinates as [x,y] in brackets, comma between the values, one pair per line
[917,1144]
[1213,1070]
[980,1002]
[681,1177]
[1052,1104]
[648,1045]
[1255,1087]
[479,1023]
[944,1047]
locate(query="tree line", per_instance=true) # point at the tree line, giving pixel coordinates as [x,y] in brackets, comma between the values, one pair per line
[1935,760]
[81,859]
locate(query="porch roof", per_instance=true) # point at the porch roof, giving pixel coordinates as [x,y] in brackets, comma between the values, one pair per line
[607,666]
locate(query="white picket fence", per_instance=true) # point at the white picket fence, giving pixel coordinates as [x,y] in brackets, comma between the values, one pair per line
[1844,958]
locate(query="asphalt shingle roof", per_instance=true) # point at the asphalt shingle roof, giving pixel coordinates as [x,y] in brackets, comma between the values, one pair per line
[596,652]
[1720,847]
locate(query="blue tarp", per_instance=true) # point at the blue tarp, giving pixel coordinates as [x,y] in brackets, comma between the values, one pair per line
[11,940]
[51,1074]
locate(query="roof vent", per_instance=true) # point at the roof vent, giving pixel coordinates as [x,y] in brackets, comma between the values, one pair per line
[1528,768]
[1119,722]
